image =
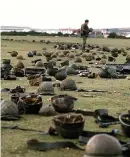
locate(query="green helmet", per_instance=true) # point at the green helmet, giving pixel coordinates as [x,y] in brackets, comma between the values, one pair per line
[112,72]
[8,108]
[46,88]
[38,54]
[74,66]
[39,64]
[68,84]
[61,75]
[20,65]
[89,57]
[20,57]
[65,63]
[78,60]
[47,110]
[14,54]
[70,71]
[103,145]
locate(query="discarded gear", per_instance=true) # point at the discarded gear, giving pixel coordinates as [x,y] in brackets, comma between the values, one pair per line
[103,145]
[9,76]
[39,64]
[47,110]
[9,110]
[33,71]
[108,72]
[18,72]
[52,71]
[30,104]
[61,75]
[35,61]
[70,71]
[64,63]
[46,88]
[121,68]
[69,125]
[125,124]
[18,89]
[15,97]
[19,65]
[14,54]
[35,80]
[30,54]
[63,103]
[68,84]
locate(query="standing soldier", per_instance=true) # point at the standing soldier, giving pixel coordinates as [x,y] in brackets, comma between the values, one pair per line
[84,32]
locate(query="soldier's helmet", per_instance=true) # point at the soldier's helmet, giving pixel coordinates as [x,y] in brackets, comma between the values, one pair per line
[30,54]
[78,60]
[47,110]
[39,64]
[46,88]
[61,75]
[70,71]
[68,84]
[74,66]
[103,145]
[19,65]
[9,108]
[14,54]
[63,103]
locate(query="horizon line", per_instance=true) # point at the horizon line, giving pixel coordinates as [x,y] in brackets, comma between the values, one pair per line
[64,28]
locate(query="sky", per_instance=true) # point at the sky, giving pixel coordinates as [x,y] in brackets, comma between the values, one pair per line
[47,14]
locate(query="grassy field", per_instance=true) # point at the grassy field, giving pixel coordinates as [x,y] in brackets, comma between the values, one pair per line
[117,100]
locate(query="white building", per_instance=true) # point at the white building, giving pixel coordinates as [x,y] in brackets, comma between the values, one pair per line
[15,28]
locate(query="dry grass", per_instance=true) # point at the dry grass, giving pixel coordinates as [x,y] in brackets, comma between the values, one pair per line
[14,141]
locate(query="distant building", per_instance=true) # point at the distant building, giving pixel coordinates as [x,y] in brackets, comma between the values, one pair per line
[15,28]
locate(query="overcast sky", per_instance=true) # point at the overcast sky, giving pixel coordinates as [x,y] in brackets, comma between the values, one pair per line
[65,13]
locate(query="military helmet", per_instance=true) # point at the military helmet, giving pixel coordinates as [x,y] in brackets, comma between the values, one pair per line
[39,64]
[103,145]
[78,60]
[9,108]
[47,110]
[66,62]
[34,52]
[30,54]
[103,73]
[38,54]
[61,75]
[89,57]
[70,71]
[20,65]
[14,54]
[68,84]
[46,88]
[20,57]
[112,72]
[63,103]
[74,66]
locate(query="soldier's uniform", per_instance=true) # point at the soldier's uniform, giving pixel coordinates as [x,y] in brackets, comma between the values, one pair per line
[84,33]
